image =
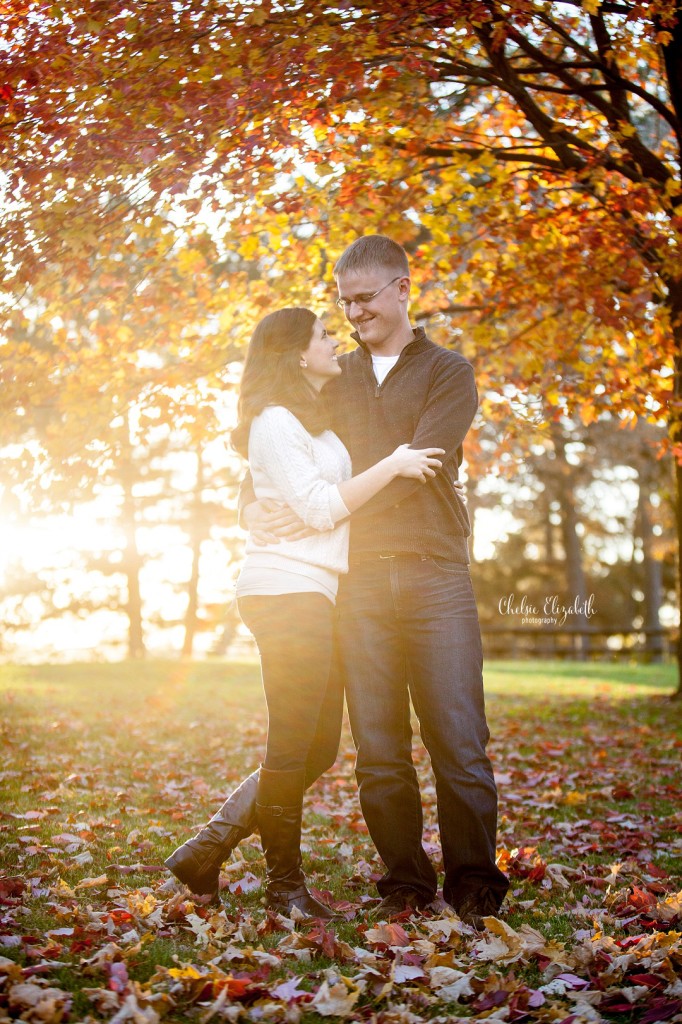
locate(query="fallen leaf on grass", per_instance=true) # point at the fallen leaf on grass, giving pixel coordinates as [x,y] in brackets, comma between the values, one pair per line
[336,1000]
[34,1002]
[91,883]
[289,990]
[247,883]
[451,985]
[406,972]
[387,935]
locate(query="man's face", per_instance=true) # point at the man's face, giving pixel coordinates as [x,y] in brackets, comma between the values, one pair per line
[374,302]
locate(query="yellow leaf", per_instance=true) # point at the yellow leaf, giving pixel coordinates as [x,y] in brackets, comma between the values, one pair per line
[91,883]
[574,797]
[588,414]
[257,17]
[188,972]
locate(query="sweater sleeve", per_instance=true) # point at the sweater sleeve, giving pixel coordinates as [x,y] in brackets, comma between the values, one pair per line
[279,446]
[444,421]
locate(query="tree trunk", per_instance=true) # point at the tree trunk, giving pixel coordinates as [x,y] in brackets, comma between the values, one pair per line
[198,533]
[575,574]
[675,431]
[653,578]
[132,561]
[678,525]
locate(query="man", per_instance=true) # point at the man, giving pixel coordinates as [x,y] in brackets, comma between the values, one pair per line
[407,614]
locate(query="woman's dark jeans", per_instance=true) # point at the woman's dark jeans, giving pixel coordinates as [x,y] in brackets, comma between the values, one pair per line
[408,625]
[295,634]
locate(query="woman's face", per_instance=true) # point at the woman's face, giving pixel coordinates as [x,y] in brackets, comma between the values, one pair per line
[318,361]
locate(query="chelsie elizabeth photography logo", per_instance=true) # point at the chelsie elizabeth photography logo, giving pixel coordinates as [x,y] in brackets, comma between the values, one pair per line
[547,611]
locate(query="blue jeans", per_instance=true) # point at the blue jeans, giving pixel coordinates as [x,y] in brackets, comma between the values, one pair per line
[409,625]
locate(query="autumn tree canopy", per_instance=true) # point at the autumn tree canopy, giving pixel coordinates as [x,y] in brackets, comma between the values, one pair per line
[171,169]
[527,153]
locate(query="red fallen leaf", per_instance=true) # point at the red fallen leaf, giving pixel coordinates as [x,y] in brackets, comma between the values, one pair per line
[345,907]
[650,922]
[412,959]
[640,899]
[177,912]
[657,872]
[615,1004]
[661,1009]
[49,952]
[622,792]
[491,1000]
[118,916]
[81,945]
[236,987]
[323,938]
[629,941]
[271,923]
[650,980]
[538,872]
[595,883]
[387,935]
[12,886]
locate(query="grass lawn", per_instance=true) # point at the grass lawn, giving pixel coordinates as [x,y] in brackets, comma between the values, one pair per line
[105,768]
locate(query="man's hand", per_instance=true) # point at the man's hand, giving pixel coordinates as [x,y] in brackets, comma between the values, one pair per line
[461,491]
[271,521]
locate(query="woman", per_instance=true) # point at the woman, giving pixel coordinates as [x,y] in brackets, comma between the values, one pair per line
[286,594]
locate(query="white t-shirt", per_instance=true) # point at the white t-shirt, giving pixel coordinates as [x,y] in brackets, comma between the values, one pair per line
[304,471]
[383,365]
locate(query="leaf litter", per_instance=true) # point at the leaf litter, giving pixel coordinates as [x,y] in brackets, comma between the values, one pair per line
[91,929]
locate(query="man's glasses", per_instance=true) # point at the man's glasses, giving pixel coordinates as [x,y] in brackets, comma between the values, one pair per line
[364,298]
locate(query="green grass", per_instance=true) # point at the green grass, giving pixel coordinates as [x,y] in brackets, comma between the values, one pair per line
[106,767]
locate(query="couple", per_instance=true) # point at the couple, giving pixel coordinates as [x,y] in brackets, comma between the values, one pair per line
[403,617]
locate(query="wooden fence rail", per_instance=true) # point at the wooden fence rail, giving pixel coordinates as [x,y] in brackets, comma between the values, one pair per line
[578,643]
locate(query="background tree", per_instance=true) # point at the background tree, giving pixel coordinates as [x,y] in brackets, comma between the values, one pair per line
[526,153]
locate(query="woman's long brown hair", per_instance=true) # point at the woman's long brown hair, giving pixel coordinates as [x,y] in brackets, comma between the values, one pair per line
[272,374]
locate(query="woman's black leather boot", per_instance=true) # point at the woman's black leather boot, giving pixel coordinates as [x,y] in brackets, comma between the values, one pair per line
[197,862]
[278,812]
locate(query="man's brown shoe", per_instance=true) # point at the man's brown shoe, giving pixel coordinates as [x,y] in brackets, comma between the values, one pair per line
[398,902]
[476,906]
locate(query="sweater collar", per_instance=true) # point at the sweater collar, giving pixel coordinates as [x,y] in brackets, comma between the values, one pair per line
[418,342]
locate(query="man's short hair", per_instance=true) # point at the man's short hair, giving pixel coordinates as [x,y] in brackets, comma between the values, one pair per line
[370,252]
